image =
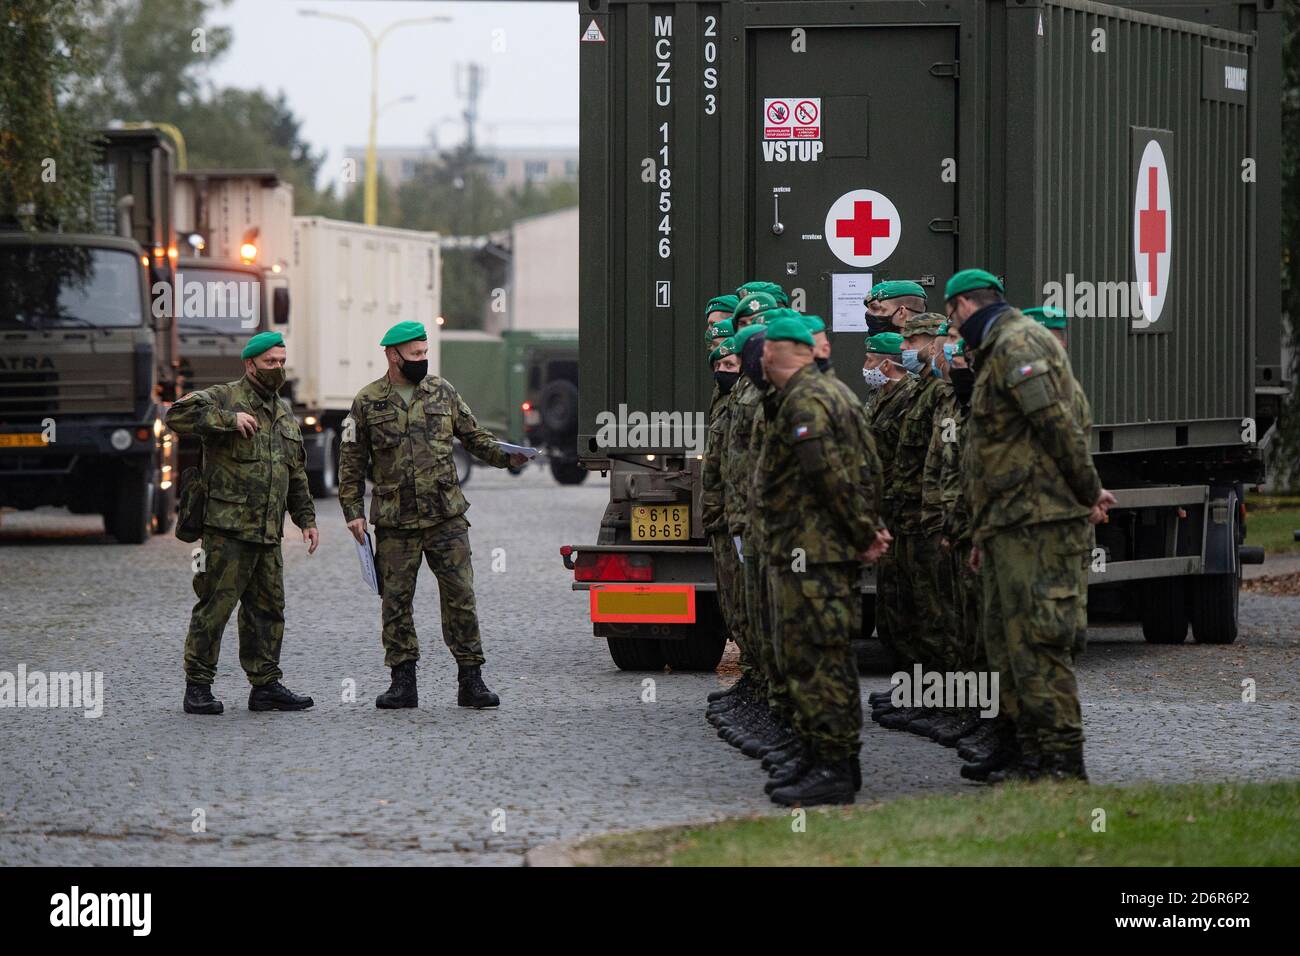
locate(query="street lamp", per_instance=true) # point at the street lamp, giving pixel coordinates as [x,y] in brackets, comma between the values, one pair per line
[372,173]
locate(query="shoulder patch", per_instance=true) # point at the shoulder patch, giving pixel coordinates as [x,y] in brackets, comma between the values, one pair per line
[1027,371]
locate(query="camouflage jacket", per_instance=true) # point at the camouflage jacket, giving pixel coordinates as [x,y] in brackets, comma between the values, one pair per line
[946,431]
[956,515]
[759,437]
[820,482]
[737,455]
[885,422]
[251,481]
[1029,457]
[406,451]
[914,433]
[712,513]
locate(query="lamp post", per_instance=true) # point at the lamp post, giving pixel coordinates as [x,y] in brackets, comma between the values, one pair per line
[372,172]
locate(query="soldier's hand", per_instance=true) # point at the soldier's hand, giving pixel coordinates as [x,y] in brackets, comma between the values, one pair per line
[358,528]
[312,537]
[518,459]
[976,559]
[1101,508]
[246,424]
[878,547]
[945,542]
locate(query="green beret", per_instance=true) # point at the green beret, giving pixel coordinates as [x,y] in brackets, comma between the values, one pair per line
[927,323]
[771,288]
[885,343]
[403,332]
[754,305]
[894,289]
[961,347]
[943,329]
[722,303]
[814,324]
[745,334]
[260,342]
[719,330]
[789,329]
[968,280]
[725,348]
[1049,317]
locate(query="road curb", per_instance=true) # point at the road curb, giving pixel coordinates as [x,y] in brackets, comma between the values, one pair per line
[562,853]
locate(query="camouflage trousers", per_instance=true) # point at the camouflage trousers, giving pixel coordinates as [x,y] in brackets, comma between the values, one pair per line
[894,629]
[758,613]
[397,560]
[252,576]
[815,614]
[726,569]
[927,598]
[970,626]
[1035,594]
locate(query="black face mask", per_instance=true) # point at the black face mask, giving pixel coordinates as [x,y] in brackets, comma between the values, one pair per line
[878,323]
[823,364]
[751,360]
[973,329]
[963,383]
[414,372]
[725,380]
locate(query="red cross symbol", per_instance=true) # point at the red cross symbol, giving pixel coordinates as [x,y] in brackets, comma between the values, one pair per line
[862,228]
[1151,228]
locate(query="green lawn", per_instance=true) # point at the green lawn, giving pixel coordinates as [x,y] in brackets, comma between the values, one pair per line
[1271,521]
[1239,824]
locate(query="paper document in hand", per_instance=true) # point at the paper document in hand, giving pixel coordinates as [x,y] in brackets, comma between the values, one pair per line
[524,450]
[368,564]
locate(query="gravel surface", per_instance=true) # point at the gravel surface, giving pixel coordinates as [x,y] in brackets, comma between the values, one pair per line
[573,750]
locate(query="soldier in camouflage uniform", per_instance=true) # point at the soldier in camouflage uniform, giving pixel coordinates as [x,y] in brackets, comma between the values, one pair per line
[883,373]
[253,468]
[399,433]
[1032,491]
[726,563]
[818,500]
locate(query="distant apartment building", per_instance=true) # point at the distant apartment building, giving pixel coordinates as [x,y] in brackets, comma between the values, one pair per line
[508,167]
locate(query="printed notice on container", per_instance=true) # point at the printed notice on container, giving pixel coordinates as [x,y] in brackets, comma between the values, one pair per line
[792,117]
[848,289]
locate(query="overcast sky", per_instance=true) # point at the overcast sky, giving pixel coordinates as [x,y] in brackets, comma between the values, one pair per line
[530,51]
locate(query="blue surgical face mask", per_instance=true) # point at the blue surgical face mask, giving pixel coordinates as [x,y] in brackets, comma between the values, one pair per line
[934,368]
[949,350]
[910,360]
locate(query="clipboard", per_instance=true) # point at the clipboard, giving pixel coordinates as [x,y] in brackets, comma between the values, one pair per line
[369,573]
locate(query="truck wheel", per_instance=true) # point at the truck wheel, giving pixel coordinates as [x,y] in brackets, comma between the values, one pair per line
[558,408]
[324,483]
[1214,608]
[635,653]
[132,509]
[568,472]
[1164,610]
[704,643]
[464,463]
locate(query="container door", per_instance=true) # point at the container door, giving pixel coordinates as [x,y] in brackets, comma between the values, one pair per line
[854,150]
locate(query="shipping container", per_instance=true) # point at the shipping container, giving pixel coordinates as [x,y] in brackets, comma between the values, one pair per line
[1127,156]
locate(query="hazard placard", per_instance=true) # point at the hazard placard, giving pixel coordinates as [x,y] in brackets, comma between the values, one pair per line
[792,117]
[592,34]
[863,228]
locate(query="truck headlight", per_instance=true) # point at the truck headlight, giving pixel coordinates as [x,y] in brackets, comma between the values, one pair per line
[120,439]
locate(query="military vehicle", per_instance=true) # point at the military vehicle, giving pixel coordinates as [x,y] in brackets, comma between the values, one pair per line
[1124,159]
[88,350]
[523,386]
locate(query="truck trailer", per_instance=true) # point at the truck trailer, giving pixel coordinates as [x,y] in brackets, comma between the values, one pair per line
[1125,160]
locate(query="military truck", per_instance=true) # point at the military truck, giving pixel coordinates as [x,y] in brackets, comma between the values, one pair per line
[1076,149]
[88,350]
[523,386]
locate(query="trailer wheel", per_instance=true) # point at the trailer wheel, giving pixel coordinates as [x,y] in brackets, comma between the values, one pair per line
[702,648]
[635,653]
[324,483]
[568,472]
[1164,611]
[464,464]
[131,513]
[1214,608]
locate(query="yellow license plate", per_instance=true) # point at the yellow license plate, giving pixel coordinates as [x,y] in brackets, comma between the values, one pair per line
[661,523]
[23,440]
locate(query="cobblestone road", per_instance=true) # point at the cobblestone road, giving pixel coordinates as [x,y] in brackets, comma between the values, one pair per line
[573,749]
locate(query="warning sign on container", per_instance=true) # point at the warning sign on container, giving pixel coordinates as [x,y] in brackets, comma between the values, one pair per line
[792,117]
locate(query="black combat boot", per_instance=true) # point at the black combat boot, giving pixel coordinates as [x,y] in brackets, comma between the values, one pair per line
[738,687]
[979,744]
[275,696]
[923,725]
[402,691]
[1027,768]
[782,775]
[473,692]
[899,719]
[1004,752]
[879,697]
[825,782]
[961,724]
[1064,765]
[774,758]
[726,705]
[199,699]
[772,736]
